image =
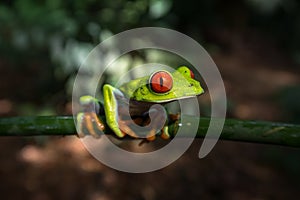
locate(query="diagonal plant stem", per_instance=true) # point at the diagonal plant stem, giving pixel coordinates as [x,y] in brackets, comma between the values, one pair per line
[234,129]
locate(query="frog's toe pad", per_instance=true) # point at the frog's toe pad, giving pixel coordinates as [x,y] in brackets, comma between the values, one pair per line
[89,124]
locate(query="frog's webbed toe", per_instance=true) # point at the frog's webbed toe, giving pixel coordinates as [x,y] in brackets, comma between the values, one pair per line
[174,118]
[88,123]
[125,129]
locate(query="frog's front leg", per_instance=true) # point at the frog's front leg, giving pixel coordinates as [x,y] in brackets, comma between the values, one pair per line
[111,98]
[88,119]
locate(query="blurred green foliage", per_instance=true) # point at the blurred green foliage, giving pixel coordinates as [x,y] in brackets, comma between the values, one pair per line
[50,38]
[42,44]
[31,24]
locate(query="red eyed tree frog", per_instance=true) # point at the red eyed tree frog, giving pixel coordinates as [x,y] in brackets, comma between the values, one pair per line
[136,97]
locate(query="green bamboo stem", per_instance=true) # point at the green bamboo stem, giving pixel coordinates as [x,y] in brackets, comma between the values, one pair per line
[234,129]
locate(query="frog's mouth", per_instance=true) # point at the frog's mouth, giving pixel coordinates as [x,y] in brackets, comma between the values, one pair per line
[179,98]
[175,99]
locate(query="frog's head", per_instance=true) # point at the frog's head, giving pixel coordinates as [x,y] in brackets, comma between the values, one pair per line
[163,86]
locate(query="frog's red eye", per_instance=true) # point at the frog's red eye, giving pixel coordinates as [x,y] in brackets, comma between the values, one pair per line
[192,74]
[161,82]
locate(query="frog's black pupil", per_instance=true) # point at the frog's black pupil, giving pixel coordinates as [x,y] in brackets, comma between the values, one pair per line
[161,81]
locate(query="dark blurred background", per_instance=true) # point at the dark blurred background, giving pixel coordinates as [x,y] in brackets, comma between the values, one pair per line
[255,44]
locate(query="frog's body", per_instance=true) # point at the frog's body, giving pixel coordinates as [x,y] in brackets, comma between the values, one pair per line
[137,98]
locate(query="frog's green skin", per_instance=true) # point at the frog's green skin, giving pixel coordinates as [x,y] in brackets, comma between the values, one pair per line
[140,93]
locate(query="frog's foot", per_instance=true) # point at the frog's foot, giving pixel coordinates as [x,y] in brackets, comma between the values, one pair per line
[149,138]
[88,123]
[125,129]
[164,134]
[152,135]
[165,130]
